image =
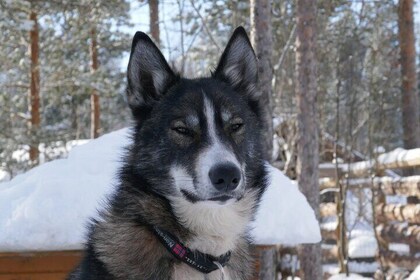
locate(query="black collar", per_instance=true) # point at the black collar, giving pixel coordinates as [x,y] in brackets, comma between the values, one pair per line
[196,259]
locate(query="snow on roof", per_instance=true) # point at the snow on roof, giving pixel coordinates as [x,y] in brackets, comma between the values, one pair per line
[48,207]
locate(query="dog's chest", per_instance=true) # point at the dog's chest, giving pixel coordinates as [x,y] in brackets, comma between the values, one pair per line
[184,272]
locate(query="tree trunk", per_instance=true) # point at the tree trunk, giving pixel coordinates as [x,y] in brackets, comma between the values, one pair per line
[35,120]
[94,97]
[262,40]
[307,130]
[409,93]
[154,20]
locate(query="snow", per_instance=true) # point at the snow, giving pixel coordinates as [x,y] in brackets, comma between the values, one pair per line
[351,276]
[415,275]
[48,207]
[4,175]
[284,216]
[363,267]
[48,151]
[363,246]
[399,247]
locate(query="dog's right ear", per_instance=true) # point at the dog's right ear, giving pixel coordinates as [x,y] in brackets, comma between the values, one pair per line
[149,75]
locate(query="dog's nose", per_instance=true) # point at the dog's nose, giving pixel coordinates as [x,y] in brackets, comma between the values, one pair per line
[225,177]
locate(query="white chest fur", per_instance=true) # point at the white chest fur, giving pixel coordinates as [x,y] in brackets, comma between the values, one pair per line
[185,272]
[216,227]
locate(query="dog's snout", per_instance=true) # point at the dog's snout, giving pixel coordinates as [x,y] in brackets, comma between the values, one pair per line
[225,177]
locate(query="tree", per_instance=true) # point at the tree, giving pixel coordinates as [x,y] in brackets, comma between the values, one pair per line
[65,65]
[307,125]
[94,96]
[34,98]
[262,40]
[154,20]
[409,92]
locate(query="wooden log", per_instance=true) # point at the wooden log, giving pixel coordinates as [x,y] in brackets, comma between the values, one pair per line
[328,170]
[328,209]
[407,186]
[399,233]
[326,183]
[329,253]
[398,158]
[328,234]
[396,212]
[392,259]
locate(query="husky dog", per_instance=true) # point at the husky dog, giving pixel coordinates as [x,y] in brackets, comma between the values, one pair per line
[192,177]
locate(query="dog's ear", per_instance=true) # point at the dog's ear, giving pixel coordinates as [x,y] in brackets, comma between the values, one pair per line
[238,65]
[148,73]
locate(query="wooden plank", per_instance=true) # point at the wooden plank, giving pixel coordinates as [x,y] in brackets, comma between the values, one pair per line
[39,262]
[34,276]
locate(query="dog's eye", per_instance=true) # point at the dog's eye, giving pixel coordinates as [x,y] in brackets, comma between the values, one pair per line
[182,130]
[236,127]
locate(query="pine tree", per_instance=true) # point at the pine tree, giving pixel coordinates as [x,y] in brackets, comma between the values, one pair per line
[307,125]
[262,40]
[409,90]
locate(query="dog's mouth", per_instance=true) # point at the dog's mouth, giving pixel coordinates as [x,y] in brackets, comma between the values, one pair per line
[190,196]
[220,198]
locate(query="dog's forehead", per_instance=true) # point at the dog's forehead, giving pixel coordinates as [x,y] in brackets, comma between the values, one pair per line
[192,97]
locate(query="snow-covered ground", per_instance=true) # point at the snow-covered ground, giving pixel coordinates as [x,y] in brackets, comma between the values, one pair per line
[350,277]
[48,207]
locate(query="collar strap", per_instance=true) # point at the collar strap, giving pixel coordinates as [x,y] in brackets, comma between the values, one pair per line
[202,262]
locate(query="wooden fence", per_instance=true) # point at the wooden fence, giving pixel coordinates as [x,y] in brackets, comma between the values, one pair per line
[395,223]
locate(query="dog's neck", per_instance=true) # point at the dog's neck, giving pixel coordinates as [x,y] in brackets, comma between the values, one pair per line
[215,228]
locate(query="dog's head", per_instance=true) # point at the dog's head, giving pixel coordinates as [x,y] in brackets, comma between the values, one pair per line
[197,139]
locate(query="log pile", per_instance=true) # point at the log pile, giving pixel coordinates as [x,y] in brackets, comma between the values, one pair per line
[328,209]
[396,212]
[392,260]
[407,186]
[399,233]
[399,158]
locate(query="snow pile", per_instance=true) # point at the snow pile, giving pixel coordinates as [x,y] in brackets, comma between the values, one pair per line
[415,275]
[284,216]
[363,245]
[48,207]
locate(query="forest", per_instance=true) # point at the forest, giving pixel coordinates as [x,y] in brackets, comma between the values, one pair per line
[339,83]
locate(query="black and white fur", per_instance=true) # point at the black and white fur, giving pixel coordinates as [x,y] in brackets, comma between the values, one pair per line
[194,169]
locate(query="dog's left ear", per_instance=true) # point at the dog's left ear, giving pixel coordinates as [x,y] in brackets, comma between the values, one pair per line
[238,65]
